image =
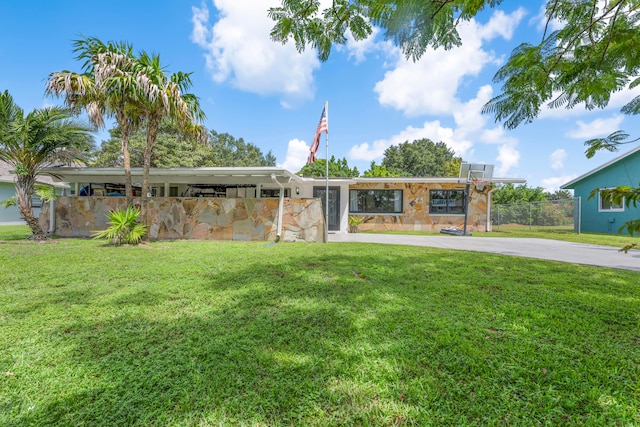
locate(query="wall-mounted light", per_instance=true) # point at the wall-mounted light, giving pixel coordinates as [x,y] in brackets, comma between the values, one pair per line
[297,190]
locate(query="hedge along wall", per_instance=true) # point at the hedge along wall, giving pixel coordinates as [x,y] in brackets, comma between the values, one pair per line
[195,218]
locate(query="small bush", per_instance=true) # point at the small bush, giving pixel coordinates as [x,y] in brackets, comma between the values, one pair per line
[123,227]
[354,224]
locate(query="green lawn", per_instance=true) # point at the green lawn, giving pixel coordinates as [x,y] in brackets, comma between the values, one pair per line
[541,233]
[233,333]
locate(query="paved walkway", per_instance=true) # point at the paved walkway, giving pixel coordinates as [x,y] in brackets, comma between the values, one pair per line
[579,253]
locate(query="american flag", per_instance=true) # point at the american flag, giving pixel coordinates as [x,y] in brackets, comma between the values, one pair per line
[323,127]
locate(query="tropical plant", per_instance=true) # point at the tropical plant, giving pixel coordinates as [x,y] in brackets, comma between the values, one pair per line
[163,97]
[32,142]
[412,25]
[107,86]
[46,193]
[354,223]
[124,227]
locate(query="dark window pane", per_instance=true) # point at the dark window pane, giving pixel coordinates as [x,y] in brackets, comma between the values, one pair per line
[446,201]
[375,201]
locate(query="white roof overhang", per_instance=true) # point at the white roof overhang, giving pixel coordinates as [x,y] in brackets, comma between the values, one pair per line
[435,180]
[214,176]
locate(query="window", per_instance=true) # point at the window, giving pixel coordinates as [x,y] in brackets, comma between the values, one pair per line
[36,201]
[375,201]
[446,202]
[608,205]
[271,192]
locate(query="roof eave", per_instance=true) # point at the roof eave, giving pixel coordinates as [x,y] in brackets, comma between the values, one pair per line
[569,185]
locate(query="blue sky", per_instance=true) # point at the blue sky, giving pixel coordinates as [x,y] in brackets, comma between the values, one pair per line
[272,96]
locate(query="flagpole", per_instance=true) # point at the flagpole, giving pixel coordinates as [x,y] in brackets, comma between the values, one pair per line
[326,213]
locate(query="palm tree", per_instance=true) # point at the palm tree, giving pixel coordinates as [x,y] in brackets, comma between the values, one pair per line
[107,86]
[30,143]
[161,97]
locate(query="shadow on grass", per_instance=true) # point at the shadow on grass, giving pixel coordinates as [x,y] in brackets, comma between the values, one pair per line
[353,339]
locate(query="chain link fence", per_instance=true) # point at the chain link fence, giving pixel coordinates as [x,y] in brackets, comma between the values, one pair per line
[554,214]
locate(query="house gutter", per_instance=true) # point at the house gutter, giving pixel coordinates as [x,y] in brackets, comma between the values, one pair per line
[52,217]
[280,207]
[489,203]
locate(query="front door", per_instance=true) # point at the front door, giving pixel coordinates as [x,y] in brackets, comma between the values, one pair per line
[334,205]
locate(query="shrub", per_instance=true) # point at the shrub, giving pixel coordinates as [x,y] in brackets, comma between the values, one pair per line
[354,224]
[123,227]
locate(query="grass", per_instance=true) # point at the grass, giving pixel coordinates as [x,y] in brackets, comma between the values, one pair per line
[235,333]
[564,234]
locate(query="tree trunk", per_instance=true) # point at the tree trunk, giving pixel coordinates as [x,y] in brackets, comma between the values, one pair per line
[152,133]
[24,191]
[125,128]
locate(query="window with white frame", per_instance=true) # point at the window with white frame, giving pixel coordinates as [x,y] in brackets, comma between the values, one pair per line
[605,204]
[375,201]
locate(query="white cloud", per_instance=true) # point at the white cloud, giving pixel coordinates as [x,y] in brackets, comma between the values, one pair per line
[557,159]
[540,21]
[359,49]
[595,128]
[553,183]
[297,154]
[468,116]
[431,130]
[469,126]
[238,49]
[508,158]
[501,24]
[430,85]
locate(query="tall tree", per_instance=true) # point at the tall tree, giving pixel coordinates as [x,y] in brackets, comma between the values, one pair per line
[338,168]
[162,97]
[229,151]
[593,55]
[172,149]
[413,25]
[378,171]
[30,143]
[421,157]
[510,193]
[106,87]
[558,195]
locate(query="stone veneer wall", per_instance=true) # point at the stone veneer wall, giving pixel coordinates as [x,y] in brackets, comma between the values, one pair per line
[196,218]
[416,209]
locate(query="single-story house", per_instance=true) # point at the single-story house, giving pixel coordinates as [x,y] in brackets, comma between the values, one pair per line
[267,203]
[598,214]
[11,215]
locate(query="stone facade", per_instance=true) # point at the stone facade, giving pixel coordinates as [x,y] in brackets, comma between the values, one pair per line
[196,218]
[416,214]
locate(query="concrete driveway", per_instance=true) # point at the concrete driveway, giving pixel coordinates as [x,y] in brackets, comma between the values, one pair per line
[603,256]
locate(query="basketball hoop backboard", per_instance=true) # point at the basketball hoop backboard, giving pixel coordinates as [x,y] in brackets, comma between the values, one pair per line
[475,173]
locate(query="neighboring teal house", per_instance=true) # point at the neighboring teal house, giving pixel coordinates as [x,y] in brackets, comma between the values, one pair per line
[596,214]
[11,215]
